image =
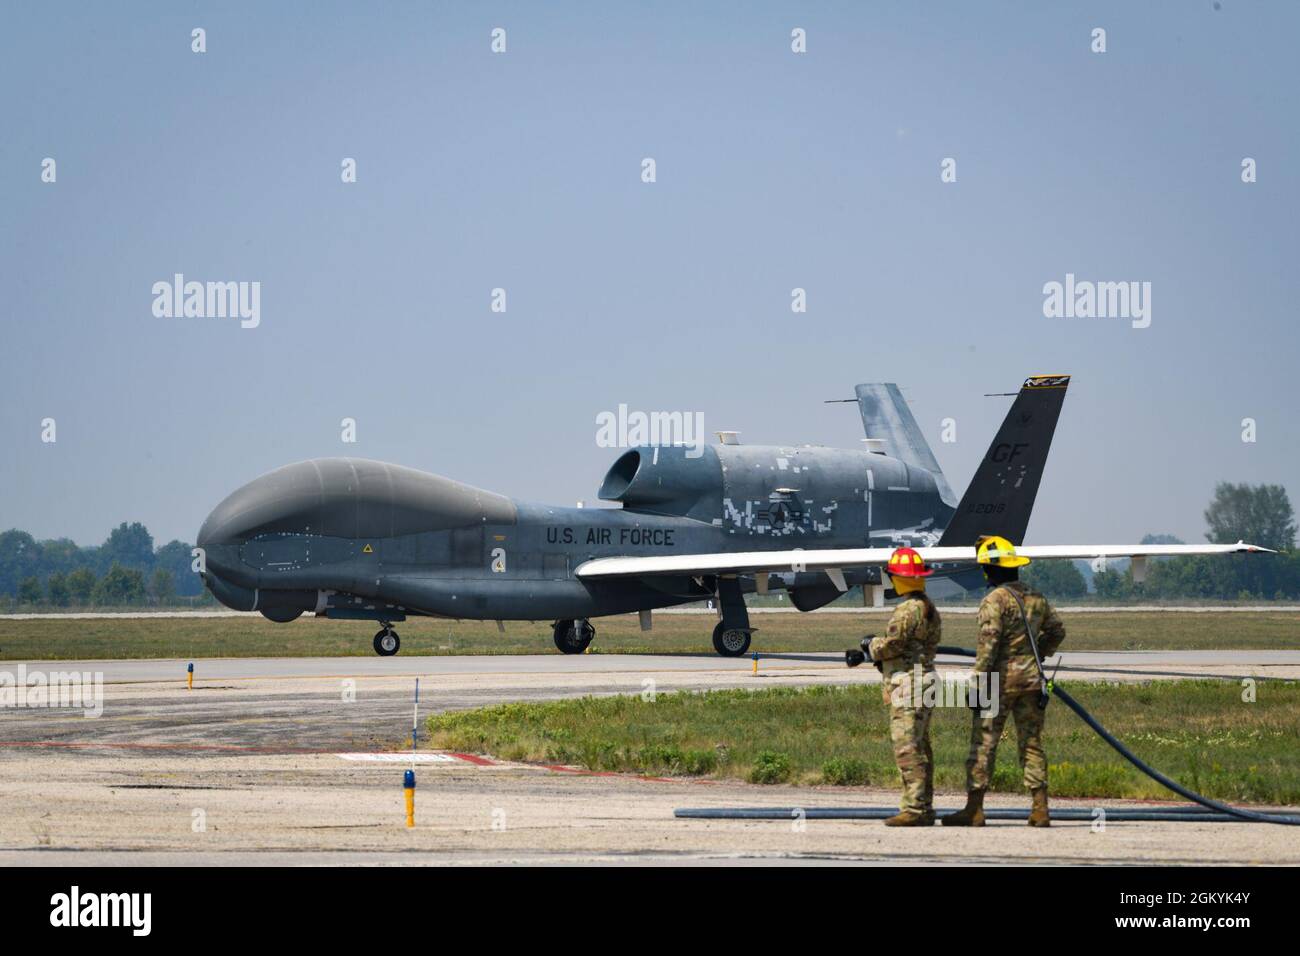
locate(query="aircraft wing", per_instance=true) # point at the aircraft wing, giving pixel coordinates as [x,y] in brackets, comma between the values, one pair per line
[837,559]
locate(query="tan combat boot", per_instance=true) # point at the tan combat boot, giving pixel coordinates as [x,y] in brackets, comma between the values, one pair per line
[911,818]
[971,815]
[1038,815]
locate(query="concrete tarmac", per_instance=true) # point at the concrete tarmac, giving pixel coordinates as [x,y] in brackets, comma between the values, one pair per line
[252,752]
[562,665]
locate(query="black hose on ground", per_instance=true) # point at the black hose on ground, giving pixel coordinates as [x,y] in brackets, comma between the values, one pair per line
[1057,691]
[1087,814]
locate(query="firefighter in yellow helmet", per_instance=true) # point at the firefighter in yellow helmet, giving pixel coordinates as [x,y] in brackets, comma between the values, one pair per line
[905,656]
[1013,654]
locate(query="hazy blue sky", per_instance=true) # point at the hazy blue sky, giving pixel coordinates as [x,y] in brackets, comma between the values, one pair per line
[522,170]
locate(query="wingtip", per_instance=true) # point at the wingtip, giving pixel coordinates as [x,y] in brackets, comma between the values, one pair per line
[1255,547]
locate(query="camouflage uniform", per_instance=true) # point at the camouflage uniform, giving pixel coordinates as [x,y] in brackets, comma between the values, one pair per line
[1004,648]
[911,640]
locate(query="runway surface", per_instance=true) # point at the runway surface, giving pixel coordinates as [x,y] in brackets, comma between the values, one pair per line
[560,665]
[253,750]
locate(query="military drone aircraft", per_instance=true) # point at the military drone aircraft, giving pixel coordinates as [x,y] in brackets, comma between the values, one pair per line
[364,540]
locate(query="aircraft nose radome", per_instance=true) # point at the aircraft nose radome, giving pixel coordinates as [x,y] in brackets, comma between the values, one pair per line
[349,498]
[288,499]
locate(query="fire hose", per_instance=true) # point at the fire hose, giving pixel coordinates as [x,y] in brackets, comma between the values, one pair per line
[1208,811]
[1054,689]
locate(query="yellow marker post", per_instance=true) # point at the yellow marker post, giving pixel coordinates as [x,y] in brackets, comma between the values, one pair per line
[756,662]
[408,786]
[408,779]
[189,676]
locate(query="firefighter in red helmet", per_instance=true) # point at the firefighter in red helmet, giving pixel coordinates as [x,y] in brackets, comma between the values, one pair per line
[905,656]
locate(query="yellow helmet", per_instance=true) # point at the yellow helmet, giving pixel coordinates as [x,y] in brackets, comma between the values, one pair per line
[997,550]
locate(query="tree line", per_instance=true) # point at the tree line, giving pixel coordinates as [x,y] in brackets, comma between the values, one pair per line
[125,570]
[1256,514]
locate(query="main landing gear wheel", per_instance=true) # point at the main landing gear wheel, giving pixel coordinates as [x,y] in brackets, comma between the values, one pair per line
[731,642]
[573,637]
[387,642]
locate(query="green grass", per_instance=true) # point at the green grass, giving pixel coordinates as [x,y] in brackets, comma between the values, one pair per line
[1200,733]
[254,636]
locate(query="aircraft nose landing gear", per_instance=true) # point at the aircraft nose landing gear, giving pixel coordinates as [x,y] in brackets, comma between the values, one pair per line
[387,641]
[732,635]
[573,637]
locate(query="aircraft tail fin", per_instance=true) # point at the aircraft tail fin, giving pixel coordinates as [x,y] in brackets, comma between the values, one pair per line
[1001,495]
[887,420]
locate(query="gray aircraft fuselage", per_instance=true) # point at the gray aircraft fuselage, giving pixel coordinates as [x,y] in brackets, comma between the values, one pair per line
[356,538]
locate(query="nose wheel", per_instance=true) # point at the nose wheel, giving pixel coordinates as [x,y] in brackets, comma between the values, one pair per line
[387,642]
[573,637]
[732,635]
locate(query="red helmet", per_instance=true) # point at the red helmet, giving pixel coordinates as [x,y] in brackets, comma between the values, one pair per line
[907,563]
